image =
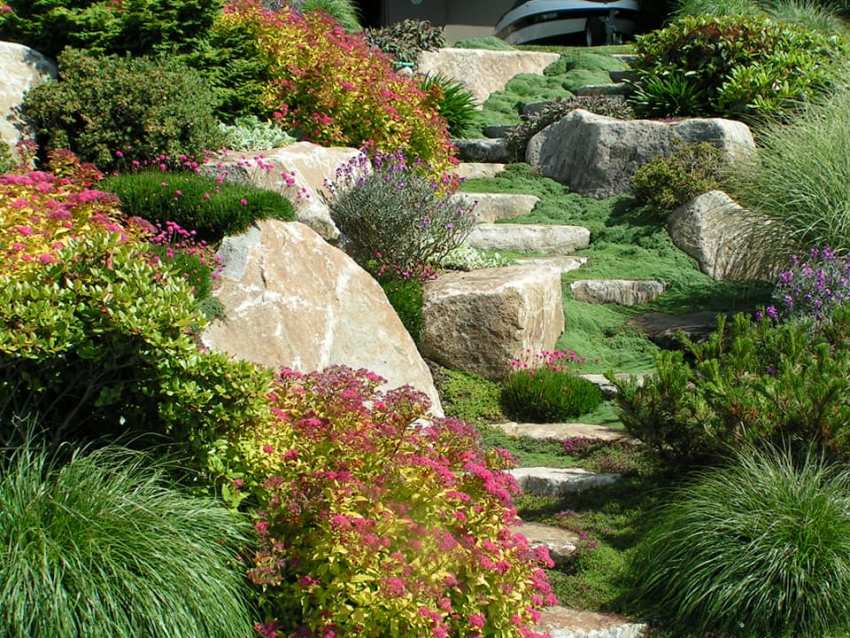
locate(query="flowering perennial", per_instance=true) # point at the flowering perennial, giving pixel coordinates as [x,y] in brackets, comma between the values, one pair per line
[813,286]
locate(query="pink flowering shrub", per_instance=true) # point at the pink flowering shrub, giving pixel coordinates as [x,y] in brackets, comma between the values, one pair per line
[369,525]
[329,85]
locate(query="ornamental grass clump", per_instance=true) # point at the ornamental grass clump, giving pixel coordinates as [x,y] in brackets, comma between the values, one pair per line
[398,220]
[758,548]
[545,391]
[105,546]
[374,526]
[813,286]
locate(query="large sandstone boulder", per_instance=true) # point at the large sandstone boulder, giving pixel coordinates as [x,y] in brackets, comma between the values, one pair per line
[493,207]
[597,156]
[625,292]
[309,163]
[21,69]
[291,299]
[561,622]
[479,321]
[483,72]
[724,238]
[554,239]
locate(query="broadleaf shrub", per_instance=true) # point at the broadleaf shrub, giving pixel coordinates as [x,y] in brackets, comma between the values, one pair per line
[105,545]
[753,380]
[369,525]
[211,206]
[669,181]
[406,39]
[397,220]
[112,110]
[101,26]
[547,392]
[328,86]
[757,548]
[734,66]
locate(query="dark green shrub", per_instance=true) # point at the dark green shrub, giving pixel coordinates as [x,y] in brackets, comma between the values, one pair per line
[546,395]
[667,182]
[456,104]
[405,296]
[103,26]
[759,548]
[751,381]
[405,40]
[196,201]
[734,66]
[106,546]
[112,110]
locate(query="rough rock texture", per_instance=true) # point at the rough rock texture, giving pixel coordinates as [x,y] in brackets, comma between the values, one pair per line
[560,622]
[21,69]
[622,76]
[481,71]
[477,170]
[608,388]
[491,207]
[721,235]
[291,299]
[663,329]
[625,292]
[482,150]
[561,543]
[548,481]
[311,164]
[479,321]
[559,240]
[561,431]
[597,156]
[613,88]
[496,131]
[563,263]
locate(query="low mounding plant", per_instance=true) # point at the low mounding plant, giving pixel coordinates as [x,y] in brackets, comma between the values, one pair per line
[669,181]
[406,297]
[405,40]
[801,179]
[733,66]
[547,392]
[489,42]
[398,221]
[455,104]
[750,381]
[249,133]
[370,525]
[113,110]
[813,286]
[211,206]
[758,548]
[325,85]
[106,546]
[607,105]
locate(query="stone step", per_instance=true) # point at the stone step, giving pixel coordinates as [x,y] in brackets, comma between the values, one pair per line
[561,622]
[562,431]
[663,329]
[496,131]
[533,108]
[492,207]
[608,388]
[561,543]
[486,150]
[564,263]
[603,89]
[559,240]
[626,58]
[618,77]
[550,481]
[477,170]
[624,292]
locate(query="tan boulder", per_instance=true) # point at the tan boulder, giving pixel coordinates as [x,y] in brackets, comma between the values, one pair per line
[21,69]
[479,321]
[292,300]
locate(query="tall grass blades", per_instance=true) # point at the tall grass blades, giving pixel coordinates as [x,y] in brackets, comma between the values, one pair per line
[822,16]
[758,549]
[104,547]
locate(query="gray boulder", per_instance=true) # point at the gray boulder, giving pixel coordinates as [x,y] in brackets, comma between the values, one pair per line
[21,69]
[483,149]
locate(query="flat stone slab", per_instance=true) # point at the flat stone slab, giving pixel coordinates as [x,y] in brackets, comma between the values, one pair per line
[562,431]
[477,170]
[561,622]
[548,481]
[559,240]
[496,131]
[663,328]
[608,388]
[561,543]
[563,263]
[622,76]
[626,58]
[603,89]
[492,207]
[624,292]
[482,149]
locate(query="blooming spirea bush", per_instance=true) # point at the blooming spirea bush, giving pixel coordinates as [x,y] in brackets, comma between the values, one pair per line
[329,85]
[813,286]
[398,220]
[369,525]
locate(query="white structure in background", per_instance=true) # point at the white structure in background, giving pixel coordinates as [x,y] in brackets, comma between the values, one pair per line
[601,21]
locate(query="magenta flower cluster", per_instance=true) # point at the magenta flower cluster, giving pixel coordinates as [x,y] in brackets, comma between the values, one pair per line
[812,286]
